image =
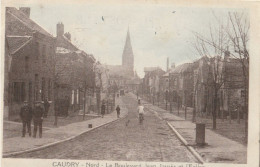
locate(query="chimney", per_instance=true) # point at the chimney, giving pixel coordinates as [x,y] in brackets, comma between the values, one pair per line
[67,35]
[25,10]
[60,29]
[227,56]
[172,65]
[167,65]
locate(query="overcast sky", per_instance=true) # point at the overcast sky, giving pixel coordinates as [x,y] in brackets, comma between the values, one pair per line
[156,31]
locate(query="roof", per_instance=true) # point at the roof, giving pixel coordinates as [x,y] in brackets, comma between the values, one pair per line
[166,74]
[134,81]
[15,43]
[21,17]
[118,70]
[186,67]
[149,69]
[62,50]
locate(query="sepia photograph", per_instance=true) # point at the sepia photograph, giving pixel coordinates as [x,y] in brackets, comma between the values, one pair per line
[126,82]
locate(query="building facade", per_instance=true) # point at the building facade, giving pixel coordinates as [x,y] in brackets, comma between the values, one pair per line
[74,73]
[181,84]
[30,53]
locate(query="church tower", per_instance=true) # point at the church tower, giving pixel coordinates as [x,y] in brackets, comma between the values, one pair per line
[128,56]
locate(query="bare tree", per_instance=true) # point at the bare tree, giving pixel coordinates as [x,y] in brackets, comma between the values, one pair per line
[214,58]
[234,32]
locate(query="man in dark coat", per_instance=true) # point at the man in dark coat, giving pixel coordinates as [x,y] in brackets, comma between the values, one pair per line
[46,107]
[103,110]
[118,111]
[26,117]
[38,113]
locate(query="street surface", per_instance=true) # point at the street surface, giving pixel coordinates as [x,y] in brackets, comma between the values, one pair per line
[123,140]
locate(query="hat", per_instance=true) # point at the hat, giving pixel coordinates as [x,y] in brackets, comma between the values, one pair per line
[25,101]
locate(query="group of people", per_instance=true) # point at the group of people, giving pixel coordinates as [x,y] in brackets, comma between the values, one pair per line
[37,114]
[140,111]
[27,114]
[103,110]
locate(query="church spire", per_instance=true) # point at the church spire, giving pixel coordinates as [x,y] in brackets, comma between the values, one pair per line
[128,56]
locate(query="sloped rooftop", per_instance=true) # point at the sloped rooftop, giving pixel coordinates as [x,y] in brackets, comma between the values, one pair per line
[186,67]
[15,43]
[20,16]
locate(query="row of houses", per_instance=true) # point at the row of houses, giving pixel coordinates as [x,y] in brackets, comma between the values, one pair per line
[195,84]
[39,66]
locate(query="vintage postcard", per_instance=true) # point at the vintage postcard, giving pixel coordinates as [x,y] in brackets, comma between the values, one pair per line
[130,83]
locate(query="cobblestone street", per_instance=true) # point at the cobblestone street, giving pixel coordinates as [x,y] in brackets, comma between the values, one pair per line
[122,140]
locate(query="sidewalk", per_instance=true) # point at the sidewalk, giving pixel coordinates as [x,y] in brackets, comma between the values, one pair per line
[14,145]
[219,148]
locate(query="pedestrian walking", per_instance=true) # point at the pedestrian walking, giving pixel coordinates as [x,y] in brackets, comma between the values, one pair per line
[38,113]
[46,107]
[26,117]
[118,111]
[103,110]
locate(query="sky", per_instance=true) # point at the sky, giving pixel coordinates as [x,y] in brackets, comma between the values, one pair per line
[156,31]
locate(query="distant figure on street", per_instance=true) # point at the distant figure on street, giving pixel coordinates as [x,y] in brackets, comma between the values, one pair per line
[140,111]
[118,111]
[46,107]
[139,101]
[103,110]
[26,117]
[38,113]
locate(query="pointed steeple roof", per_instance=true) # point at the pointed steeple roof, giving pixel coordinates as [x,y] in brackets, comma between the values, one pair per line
[128,56]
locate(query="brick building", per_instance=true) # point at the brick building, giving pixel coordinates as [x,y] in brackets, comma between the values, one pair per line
[29,53]
[151,81]
[74,73]
[230,93]
[181,84]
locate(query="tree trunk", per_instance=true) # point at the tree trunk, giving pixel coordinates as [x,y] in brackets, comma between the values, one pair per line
[214,112]
[98,100]
[178,105]
[238,115]
[222,114]
[194,108]
[246,113]
[56,120]
[185,110]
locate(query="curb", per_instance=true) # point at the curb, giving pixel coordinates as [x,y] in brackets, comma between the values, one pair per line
[58,142]
[191,149]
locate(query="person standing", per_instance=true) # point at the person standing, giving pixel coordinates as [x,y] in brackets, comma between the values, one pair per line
[38,119]
[103,110]
[46,107]
[118,111]
[26,117]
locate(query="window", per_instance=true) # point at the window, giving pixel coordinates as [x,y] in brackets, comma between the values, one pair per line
[51,53]
[49,90]
[37,50]
[30,91]
[43,88]
[26,64]
[36,87]
[44,53]
[19,92]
